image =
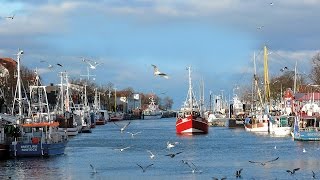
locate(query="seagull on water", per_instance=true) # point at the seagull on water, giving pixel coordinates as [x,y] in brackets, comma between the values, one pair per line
[264,163]
[293,171]
[144,168]
[271,4]
[172,155]
[156,72]
[152,156]
[133,134]
[238,173]
[124,127]
[93,169]
[304,150]
[122,149]
[92,64]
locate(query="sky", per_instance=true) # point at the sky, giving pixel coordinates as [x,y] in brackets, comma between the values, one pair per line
[217,39]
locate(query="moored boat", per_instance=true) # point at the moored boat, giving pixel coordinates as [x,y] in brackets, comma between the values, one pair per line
[152,111]
[116,116]
[36,133]
[190,120]
[38,139]
[306,128]
[103,116]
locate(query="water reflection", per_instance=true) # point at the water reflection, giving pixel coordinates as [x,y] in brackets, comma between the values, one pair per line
[220,153]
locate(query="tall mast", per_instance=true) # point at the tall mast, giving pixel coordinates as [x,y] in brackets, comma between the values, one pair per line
[190,89]
[18,88]
[19,84]
[62,92]
[295,79]
[115,99]
[256,80]
[266,76]
[67,94]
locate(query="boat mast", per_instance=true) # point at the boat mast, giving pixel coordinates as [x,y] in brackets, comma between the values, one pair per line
[255,77]
[18,89]
[266,77]
[295,79]
[115,99]
[61,92]
[190,90]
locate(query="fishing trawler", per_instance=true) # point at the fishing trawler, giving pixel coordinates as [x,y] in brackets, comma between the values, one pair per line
[38,134]
[190,120]
[152,111]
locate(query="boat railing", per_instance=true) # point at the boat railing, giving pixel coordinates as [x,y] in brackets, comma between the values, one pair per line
[310,129]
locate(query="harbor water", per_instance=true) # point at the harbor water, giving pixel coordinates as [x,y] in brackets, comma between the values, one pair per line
[220,153]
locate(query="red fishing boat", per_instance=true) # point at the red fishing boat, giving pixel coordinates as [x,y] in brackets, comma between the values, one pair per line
[190,119]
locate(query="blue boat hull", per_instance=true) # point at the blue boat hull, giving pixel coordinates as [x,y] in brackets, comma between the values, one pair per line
[32,150]
[307,136]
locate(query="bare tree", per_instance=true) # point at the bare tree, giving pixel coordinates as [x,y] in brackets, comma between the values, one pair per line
[315,71]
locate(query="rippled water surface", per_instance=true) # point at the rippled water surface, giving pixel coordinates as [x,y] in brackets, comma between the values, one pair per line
[218,154]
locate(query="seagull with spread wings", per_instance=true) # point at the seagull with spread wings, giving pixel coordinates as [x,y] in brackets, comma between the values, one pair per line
[172,155]
[156,72]
[122,149]
[50,66]
[264,163]
[124,127]
[238,173]
[10,17]
[133,134]
[144,168]
[92,64]
[293,171]
[152,156]
[193,167]
[93,169]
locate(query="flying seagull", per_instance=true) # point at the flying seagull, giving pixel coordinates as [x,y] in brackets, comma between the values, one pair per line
[172,155]
[124,127]
[293,171]
[238,173]
[156,72]
[313,175]
[304,150]
[91,64]
[151,154]
[214,178]
[144,168]
[260,27]
[93,169]
[59,65]
[133,134]
[264,163]
[49,65]
[284,69]
[193,167]
[171,145]
[10,17]
[122,149]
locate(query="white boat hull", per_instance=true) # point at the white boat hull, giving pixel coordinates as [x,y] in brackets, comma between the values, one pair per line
[281,131]
[69,131]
